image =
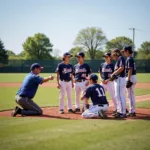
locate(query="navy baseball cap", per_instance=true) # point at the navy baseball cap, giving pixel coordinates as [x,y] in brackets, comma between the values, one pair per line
[127,48]
[93,77]
[80,54]
[67,54]
[107,54]
[35,65]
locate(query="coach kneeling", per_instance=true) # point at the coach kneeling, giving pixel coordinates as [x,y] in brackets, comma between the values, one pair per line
[27,92]
[99,102]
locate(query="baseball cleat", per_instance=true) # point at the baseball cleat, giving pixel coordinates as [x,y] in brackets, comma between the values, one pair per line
[114,113]
[102,114]
[70,111]
[127,111]
[77,110]
[119,115]
[61,111]
[16,111]
[131,114]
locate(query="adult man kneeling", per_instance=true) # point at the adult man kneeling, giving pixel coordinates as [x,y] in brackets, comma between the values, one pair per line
[27,92]
[99,102]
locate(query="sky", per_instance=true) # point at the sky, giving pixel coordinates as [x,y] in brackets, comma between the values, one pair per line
[61,20]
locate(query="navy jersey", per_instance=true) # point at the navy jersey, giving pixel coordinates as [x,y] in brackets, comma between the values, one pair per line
[81,71]
[120,62]
[130,64]
[65,71]
[106,70]
[96,93]
[30,85]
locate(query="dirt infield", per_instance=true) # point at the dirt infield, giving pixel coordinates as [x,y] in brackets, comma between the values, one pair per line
[52,112]
[53,84]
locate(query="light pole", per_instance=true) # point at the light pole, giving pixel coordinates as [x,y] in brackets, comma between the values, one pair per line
[133,29]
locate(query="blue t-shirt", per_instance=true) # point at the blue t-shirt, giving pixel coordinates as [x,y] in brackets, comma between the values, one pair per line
[30,85]
[120,63]
[96,93]
[106,70]
[65,71]
[81,71]
[130,64]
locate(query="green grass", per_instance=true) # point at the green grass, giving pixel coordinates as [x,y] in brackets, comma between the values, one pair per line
[46,96]
[36,134]
[145,104]
[143,77]
[18,77]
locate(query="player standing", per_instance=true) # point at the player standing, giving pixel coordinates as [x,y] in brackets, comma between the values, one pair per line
[81,71]
[64,72]
[99,102]
[105,70]
[130,79]
[119,83]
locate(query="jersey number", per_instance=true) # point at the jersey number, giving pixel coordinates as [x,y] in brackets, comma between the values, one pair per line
[100,92]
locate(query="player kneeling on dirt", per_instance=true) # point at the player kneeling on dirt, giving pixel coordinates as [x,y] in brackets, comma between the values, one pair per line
[27,92]
[99,102]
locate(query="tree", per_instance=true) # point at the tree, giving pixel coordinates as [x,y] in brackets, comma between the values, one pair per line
[3,54]
[10,53]
[118,42]
[144,51]
[38,47]
[91,39]
[75,50]
[56,54]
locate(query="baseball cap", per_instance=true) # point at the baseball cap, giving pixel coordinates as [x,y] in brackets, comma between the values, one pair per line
[67,54]
[93,77]
[127,48]
[107,54]
[80,54]
[35,65]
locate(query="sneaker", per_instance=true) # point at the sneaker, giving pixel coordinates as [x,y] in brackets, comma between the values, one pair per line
[114,112]
[119,115]
[77,110]
[70,111]
[131,114]
[61,111]
[16,111]
[102,114]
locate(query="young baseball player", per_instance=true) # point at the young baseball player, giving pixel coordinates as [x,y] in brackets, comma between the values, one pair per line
[130,79]
[27,92]
[99,102]
[81,71]
[105,70]
[119,83]
[64,72]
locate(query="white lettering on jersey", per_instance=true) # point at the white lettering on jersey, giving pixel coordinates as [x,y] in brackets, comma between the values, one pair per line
[106,70]
[66,70]
[80,70]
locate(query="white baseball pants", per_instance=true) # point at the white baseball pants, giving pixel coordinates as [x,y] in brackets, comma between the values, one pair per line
[93,111]
[120,85]
[110,88]
[65,89]
[131,96]
[79,87]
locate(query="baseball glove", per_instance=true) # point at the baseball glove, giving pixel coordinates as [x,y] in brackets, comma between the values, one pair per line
[129,84]
[114,77]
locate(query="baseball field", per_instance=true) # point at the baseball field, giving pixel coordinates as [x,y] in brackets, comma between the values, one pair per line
[56,131]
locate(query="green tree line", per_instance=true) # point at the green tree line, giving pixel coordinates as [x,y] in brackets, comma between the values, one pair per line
[90,40]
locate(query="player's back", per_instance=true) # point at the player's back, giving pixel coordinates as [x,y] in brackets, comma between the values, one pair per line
[97,94]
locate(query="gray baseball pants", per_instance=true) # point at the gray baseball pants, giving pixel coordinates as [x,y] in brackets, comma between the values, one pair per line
[30,108]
